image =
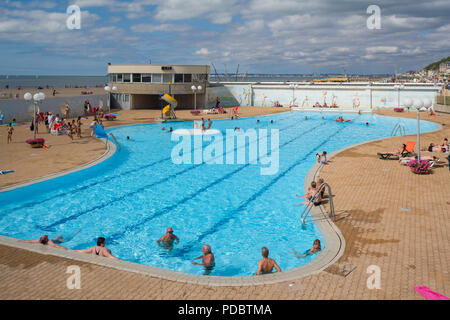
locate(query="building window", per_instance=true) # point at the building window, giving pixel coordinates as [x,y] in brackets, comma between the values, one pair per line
[199,77]
[187,77]
[167,77]
[178,78]
[146,78]
[119,77]
[156,78]
[126,97]
[126,77]
[136,77]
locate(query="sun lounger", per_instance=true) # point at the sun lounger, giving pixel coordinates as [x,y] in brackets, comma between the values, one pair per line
[408,152]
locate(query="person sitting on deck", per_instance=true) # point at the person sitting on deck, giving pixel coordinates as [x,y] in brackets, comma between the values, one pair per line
[45,241]
[311,195]
[99,249]
[266,264]
[166,241]
[319,157]
[207,259]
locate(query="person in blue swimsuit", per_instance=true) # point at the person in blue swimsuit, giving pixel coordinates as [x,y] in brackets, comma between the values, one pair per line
[315,249]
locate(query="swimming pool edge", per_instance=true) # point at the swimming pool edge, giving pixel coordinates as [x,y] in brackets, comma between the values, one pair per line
[110,150]
[332,252]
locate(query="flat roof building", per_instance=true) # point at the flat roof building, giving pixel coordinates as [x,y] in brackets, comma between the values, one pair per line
[139,86]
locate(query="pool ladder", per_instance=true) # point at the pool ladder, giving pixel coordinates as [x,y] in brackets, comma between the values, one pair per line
[398,128]
[310,204]
[117,143]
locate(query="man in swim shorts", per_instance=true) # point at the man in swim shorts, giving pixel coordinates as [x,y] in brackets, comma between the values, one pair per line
[166,241]
[209,124]
[99,249]
[207,258]
[45,241]
[266,264]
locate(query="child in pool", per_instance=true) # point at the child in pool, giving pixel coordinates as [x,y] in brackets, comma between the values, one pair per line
[315,249]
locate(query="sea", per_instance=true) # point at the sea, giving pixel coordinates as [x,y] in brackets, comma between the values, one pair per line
[14,81]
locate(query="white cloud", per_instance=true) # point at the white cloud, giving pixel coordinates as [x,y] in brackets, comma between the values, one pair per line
[202,51]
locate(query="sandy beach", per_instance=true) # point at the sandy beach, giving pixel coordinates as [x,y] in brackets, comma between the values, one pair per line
[60,92]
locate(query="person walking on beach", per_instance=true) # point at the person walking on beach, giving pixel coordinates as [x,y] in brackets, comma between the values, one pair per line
[166,241]
[267,264]
[99,249]
[67,111]
[79,127]
[207,259]
[10,132]
[45,241]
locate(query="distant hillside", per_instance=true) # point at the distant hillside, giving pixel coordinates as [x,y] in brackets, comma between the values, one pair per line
[435,65]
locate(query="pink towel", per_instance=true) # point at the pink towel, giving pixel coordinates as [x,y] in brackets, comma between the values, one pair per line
[430,295]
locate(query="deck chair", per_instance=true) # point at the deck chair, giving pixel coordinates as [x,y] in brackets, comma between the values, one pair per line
[407,152]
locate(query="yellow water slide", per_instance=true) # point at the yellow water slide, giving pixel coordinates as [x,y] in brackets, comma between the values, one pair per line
[171,102]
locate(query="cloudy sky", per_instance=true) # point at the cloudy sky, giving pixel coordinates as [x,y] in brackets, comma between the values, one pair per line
[263,36]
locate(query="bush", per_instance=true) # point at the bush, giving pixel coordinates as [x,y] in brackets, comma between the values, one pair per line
[422,167]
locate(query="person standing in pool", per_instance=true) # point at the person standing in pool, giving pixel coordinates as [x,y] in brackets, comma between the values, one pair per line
[266,264]
[99,249]
[203,124]
[45,241]
[207,259]
[209,124]
[166,241]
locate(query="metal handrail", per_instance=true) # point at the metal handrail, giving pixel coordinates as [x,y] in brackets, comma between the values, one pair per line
[309,206]
[117,143]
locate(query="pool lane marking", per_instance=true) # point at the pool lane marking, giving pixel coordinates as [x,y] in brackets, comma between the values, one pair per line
[114,237]
[185,249]
[33,203]
[50,227]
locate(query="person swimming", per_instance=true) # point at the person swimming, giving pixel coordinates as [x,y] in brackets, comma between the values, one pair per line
[61,239]
[315,249]
[45,241]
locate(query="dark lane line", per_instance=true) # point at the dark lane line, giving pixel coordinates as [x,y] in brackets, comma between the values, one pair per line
[217,226]
[114,237]
[55,196]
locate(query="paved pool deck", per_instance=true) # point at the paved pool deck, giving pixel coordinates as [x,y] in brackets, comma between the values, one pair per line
[389,217]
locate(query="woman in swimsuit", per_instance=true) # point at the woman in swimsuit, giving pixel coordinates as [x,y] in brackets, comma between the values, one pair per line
[10,132]
[99,249]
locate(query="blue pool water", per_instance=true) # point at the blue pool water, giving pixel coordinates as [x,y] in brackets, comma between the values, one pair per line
[132,197]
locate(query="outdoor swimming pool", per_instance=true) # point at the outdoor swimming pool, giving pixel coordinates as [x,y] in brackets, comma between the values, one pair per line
[132,197]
